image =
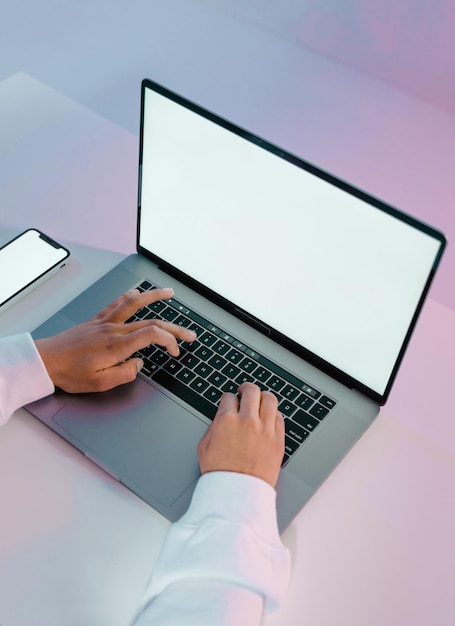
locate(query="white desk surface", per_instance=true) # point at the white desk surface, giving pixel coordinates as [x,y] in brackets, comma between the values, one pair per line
[375,545]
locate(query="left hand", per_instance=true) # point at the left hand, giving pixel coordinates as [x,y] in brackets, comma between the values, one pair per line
[95,355]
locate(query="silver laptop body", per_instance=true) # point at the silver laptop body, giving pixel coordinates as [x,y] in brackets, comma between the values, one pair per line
[284,269]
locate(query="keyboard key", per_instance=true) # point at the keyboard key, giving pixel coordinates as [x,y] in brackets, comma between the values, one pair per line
[213,394]
[182,321]
[190,347]
[230,387]
[290,392]
[152,315]
[148,368]
[217,379]
[287,408]
[304,401]
[285,460]
[159,357]
[262,374]
[186,375]
[190,360]
[197,329]
[142,313]
[290,446]
[199,384]
[221,347]
[203,369]
[204,353]
[276,383]
[157,306]
[234,356]
[147,351]
[248,365]
[295,431]
[305,420]
[231,371]
[327,402]
[172,366]
[243,377]
[217,362]
[319,411]
[146,285]
[207,339]
[169,314]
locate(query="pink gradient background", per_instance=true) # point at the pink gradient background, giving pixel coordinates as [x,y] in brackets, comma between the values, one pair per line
[363,89]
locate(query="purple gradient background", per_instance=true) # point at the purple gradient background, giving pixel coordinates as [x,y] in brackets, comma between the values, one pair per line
[363,89]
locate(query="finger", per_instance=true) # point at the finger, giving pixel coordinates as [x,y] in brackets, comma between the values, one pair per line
[118,375]
[143,334]
[268,409]
[132,301]
[110,308]
[129,342]
[250,400]
[229,403]
[279,425]
[124,341]
[179,332]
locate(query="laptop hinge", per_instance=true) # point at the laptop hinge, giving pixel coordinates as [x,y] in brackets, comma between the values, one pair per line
[252,321]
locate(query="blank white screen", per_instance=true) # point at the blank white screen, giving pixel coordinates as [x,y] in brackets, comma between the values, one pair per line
[328,270]
[24,260]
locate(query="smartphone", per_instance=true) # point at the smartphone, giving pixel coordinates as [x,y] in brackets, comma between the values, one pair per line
[27,261]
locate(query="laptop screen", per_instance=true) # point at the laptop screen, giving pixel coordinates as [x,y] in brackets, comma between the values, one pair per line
[338,273]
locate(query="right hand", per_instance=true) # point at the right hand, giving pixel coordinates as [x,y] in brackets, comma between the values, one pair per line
[246,436]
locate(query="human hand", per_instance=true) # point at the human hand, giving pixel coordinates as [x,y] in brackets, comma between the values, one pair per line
[246,436]
[94,356]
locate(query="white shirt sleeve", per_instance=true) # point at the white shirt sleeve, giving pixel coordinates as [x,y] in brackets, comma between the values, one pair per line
[23,376]
[223,562]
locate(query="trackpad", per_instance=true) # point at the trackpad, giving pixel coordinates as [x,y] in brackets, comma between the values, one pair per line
[147,439]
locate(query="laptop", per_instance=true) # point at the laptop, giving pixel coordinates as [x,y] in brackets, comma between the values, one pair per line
[292,279]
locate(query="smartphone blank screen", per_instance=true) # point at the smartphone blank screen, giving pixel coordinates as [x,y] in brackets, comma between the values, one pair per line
[25,260]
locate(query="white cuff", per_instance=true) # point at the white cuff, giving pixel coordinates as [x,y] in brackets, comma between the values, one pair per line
[23,376]
[238,498]
[228,536]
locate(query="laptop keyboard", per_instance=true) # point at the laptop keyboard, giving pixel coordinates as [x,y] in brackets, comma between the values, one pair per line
[217,362]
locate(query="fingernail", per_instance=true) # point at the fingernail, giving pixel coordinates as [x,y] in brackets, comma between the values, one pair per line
[139,364]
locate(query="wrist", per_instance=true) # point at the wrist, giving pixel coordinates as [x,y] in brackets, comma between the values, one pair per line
[46,359]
